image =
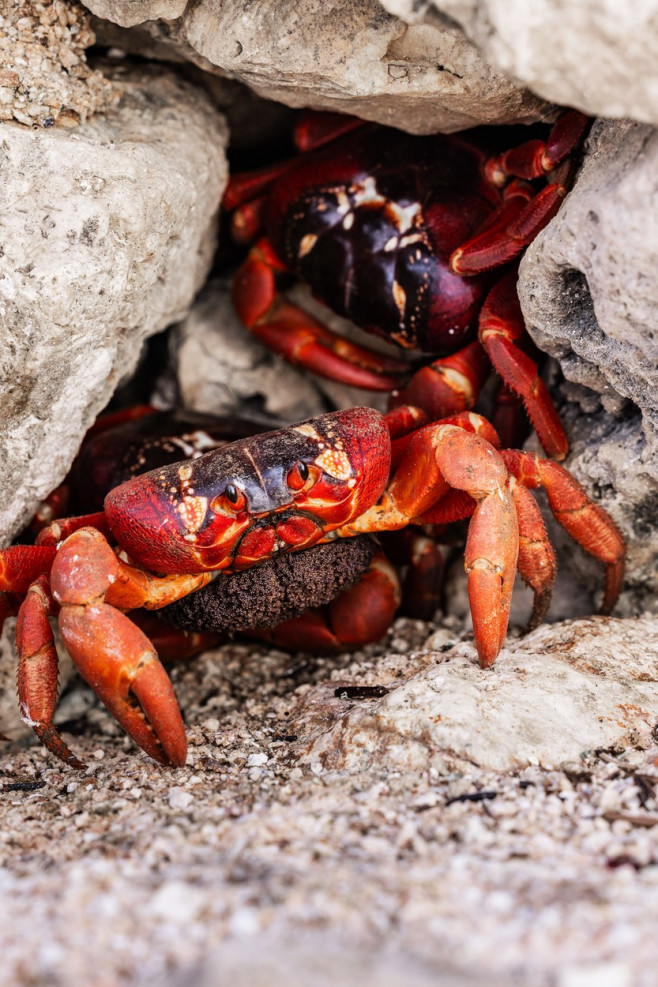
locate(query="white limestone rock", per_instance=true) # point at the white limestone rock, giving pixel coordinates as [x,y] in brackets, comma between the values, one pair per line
[588,283]
[589,293]
[564,689]
[217,367]
[344,55]
[107,234]
[597,57]
[130,12]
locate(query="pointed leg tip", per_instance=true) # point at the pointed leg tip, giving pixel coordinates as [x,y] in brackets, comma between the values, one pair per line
[487,658]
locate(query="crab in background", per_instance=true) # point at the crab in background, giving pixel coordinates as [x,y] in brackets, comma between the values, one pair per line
[414,239]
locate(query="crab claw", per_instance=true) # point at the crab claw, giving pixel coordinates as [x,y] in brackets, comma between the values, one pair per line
[119,663]
[113,656]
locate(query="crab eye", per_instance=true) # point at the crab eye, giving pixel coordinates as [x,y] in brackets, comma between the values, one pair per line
[301,477]
[232,499]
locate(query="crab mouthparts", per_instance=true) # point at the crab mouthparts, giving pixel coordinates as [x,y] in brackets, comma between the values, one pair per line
[279,534]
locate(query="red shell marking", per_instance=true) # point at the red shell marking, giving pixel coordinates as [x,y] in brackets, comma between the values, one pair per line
[235,505]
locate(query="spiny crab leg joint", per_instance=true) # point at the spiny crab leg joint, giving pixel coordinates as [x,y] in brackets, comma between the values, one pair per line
[335,476]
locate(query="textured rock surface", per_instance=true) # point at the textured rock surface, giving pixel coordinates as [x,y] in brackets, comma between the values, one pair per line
[587,284]
[589,294]
[131,874]
[44,76]
[609,456]
[129,12]
[572,686]
[107,233]
[347,55]
[217,366]
[598,57]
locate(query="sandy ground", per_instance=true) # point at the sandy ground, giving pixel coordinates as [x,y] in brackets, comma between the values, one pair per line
[252,865]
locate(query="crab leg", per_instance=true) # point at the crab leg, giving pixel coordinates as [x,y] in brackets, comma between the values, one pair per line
[501,326]
[295,335]
[587,523]
[537,563]
[536,158]
[111,653]
[499,242]
[37,669]
[439,458]
[426,556]
[315,129]
[20,566]
[61,528]
[448,385]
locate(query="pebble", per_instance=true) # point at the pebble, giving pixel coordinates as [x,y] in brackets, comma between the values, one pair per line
[179,799]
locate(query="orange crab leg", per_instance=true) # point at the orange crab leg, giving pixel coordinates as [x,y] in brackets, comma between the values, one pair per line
[537,563]
[61,528]
[119,663]
[587,523]
[447,385]
[439,458]
[37,669]
[20,565]
[295,335]
[111,653]
[501,326]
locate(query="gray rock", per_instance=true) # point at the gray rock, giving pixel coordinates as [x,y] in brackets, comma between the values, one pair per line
[217,366]
[573,687]
[610,456]
[587,284]
[44,76]
[129,12]
[107,234]
[589,294]
[600,58]
[345,55]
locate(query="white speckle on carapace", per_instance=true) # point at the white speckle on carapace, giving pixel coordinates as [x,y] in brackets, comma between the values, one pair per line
[335,463]
[306,244]
[308,430]
[193,512]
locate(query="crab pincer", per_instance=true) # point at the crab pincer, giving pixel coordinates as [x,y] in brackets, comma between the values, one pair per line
[113,655]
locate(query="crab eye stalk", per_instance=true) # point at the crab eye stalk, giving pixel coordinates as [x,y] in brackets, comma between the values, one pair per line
[232,500]
[301,477]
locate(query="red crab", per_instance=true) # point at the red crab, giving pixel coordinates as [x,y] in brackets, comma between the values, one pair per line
[333,598]
[401,234]
[336,476]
